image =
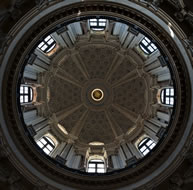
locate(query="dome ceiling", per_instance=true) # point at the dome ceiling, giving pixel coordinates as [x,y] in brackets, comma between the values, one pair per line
[118,73]
[97,95]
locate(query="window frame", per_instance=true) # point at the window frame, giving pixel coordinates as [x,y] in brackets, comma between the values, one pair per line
[167,99]
[98,22]
[144,147]
[49,142]
[24,94]
[146,45]
[46,42]
[96,167]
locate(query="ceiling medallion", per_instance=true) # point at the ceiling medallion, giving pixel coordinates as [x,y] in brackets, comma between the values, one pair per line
[97,94]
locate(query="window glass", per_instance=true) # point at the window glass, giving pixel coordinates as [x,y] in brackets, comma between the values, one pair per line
[41,44]
[145,152]
[91,165]
[142,149]
[151,147]
[147,39]
[91,170]
[146,145]
[50,140]
[26,99]
[47,38]
[47,45]
[97,24]
[96,166]
[149,142]
[100,165]
[100,170]
[49,147]
[21,99]
[50,41]
[26,94]
[46,144]
[172,92]
[167,96]
[40,144]
[46,151]
[147,46]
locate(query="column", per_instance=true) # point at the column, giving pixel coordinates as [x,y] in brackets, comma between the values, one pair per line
[151,126]
[37,120]
[42,56]
[76,162]
[159,71]
[58,38]
[136,40]
[163,116]
[67,40]
[71,34]
[152,65]
[29,116]
[117,28]
[40,125]
[41,133]
[39,63]
[58,149]
[122,158]
[127,151]
[158,123]
[77,27]
[116,164]
[65,151]
[123,33]
[30,72]
[128,40]
[70,158]
[151,134]
[164,77]
[152,58]
[134,150]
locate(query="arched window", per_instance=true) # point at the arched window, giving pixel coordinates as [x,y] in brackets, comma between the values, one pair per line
[96,166]
[26,94]
[47,45]
[147,46]
[167,96]
[98,24]
[146,145]
[46,144]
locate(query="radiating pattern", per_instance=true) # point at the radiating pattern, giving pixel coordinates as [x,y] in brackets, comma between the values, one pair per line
[105,68]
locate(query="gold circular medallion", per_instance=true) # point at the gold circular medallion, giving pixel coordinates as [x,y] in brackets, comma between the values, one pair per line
[97,94]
